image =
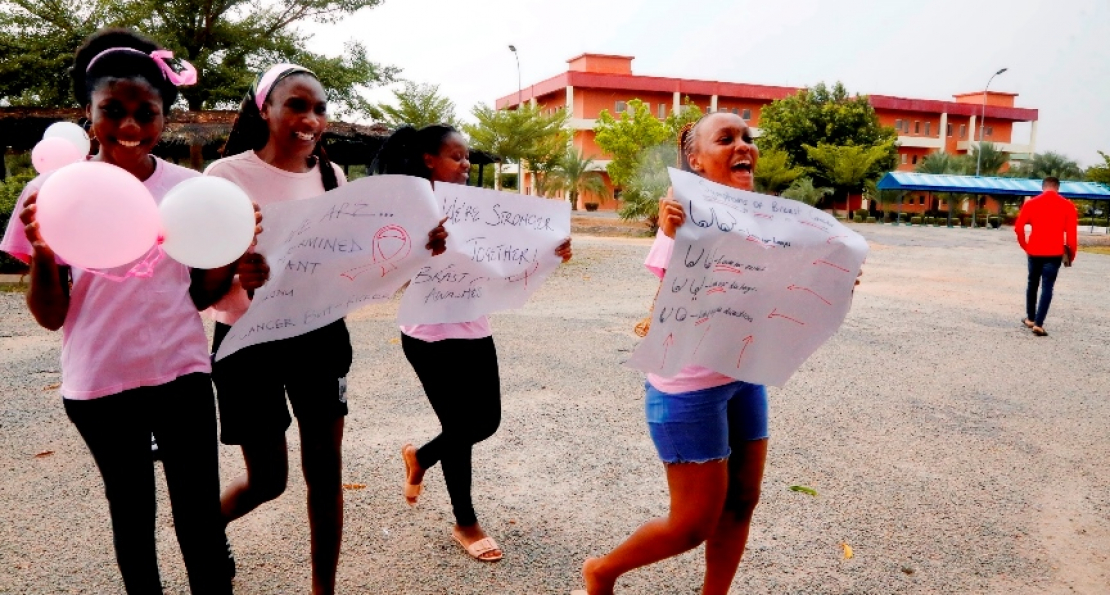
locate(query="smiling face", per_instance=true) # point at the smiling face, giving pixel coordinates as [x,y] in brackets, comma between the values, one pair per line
[723,151]
[296,113]
[452,163]
[127,121]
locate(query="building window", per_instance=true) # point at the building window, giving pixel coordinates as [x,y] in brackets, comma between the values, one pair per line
[662,111]
[917,126]
[915,159]
[746,114]
[963,130]
[898,125]
[928,128]
[990,130]
[949,131]
[621,106]
[903,158]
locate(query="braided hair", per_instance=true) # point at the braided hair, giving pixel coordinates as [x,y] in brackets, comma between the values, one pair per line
[118,65]
[250,132]
[687,135]
[403,152]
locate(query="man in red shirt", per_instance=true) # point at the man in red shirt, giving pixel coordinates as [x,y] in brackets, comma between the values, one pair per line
[1054,221]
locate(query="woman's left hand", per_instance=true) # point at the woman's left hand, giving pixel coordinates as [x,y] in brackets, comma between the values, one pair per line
[257,223]
[564,250]
[437,239]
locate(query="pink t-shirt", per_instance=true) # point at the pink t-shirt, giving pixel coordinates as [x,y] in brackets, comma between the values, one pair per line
[475,329]
[120,335]
[689,378]
[265,185]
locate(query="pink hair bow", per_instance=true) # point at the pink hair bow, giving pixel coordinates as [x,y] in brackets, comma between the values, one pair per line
[187,76]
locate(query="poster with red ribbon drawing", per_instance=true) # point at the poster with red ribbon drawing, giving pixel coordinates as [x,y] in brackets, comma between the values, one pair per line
[500,249]
[755,285]
[332,254]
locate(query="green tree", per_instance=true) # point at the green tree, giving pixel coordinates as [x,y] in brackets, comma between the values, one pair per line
[577,175]
[527,133]
[802,190]
[945,163]
[1101,172]
[847,167]
[774,172]
[822,115]
[642,147]
[228,42]
[418,105]
[1043,165]
[991,163]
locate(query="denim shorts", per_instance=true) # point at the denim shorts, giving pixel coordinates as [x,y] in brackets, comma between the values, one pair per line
[701,425]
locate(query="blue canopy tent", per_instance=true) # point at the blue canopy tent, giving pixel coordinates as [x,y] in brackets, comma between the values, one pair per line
[908,181]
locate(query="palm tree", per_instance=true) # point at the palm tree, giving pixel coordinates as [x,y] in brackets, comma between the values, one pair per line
[775,173]
[577,174]
[848,167]
[944,163]
[1043,165]
[802,190]
[992,160]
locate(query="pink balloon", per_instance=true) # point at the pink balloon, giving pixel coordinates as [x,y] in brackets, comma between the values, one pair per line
[53,153]
[96,216]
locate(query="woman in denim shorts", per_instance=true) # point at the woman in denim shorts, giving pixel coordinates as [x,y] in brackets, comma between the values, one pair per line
[710,430]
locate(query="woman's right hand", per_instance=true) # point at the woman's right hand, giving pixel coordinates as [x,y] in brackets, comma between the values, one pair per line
[31,227]
[671,214]
[437,239]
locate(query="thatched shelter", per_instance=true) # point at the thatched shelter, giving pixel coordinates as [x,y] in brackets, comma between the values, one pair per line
[347,144]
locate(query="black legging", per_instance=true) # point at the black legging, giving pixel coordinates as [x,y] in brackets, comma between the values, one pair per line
[461,380]
[117,428]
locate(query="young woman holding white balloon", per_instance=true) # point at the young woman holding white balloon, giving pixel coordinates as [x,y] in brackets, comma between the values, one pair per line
[134,353]
[275,153]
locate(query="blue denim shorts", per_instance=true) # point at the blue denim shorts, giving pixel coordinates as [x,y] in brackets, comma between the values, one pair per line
[701,425]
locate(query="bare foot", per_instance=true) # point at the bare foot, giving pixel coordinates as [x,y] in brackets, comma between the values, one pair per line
[414,474]
[596,584]
[468,535]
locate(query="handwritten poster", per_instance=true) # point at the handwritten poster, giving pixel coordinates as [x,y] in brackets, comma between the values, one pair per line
[755,285]
[335,253]
[500,249]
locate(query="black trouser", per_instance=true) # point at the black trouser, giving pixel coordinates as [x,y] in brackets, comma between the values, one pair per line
[1042,271]
[461,380]
[182,416]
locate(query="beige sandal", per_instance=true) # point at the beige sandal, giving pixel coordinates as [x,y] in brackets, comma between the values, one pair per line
[480,548]
[412,491]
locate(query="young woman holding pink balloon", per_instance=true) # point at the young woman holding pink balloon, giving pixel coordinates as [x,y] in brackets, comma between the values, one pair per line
[275,152]
[134,353]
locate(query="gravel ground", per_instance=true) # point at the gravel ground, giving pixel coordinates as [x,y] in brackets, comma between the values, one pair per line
[950,448]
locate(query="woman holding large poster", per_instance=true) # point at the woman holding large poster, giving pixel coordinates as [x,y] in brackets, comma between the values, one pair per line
[469,411]
[710,430]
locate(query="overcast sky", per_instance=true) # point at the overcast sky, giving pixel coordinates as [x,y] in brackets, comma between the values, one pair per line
[1057,52]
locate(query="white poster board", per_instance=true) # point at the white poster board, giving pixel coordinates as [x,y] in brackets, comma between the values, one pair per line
[332,254]
[755,285]
[500,249]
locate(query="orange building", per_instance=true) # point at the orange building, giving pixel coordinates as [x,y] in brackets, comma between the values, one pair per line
[594,82]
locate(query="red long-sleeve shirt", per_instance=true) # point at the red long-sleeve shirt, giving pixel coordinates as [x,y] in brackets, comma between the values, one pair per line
[1055,222]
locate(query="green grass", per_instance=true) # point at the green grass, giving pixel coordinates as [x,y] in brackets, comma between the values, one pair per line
[13,287]
[1095,249]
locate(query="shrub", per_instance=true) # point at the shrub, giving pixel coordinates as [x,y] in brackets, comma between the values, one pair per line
[591,206]
[870,219]
[857,219]
[862,213]
[888,217]
[915,220]
[10,190]
[1087,221]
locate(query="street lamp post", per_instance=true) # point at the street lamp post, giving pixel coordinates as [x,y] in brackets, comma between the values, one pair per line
[979,151]
[519,105]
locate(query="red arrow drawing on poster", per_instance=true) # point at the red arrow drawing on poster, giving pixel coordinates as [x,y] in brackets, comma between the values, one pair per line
[775,314]
[825,262]
[808,290]
[747,341]
[666,348]
[702,339]
[829,241]
[821,227]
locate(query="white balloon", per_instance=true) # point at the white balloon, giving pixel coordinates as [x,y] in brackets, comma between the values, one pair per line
[207,222]
[72,133]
